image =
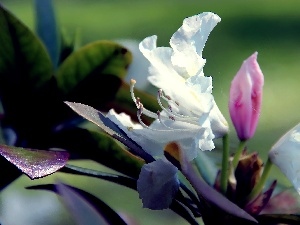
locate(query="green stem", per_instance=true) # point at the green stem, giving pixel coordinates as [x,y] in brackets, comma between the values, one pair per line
[238,154]
[259,186]
[225,159]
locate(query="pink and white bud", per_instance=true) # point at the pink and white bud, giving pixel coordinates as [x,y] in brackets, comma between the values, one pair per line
[246,98]
[286,153]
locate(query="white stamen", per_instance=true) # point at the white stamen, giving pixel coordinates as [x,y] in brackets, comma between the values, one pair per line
[170,113]
[138,103]
[162,122]
[132,83]
[139,114]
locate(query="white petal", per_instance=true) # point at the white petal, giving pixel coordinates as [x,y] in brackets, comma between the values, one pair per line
[219,124]
[189,40]
[200,84]
[205,140]
[286,154]
[159,58]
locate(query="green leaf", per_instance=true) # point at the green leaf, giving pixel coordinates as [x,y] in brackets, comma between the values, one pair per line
[24,62]
[99,147]
[85,74]
[46,27]
[66,45]
[26,74]
[34,163]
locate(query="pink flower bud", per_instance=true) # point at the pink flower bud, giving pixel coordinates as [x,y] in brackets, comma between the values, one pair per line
[246,97]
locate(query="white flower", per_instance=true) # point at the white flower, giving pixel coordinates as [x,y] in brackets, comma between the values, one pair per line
[286,154]
[191,119]
[179,70]
[192,115]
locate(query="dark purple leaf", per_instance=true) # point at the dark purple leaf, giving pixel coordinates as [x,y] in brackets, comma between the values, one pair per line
[204,191]
[35,163]
[176,206]
[118,179]
[109,127]
[82,208]
[85,207]
[258,204]
[100,147]
[95,117]
[181,210]
[212,196]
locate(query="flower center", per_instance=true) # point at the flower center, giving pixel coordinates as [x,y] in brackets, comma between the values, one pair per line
[169,113]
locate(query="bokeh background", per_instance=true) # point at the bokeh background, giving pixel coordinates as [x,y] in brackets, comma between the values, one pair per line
[272,28]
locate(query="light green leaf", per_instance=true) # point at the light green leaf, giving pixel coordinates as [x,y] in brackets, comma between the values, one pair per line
[91,63]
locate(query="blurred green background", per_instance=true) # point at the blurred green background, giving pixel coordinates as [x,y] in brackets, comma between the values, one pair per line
[272,28]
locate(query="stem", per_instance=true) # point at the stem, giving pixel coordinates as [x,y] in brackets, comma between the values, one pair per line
[259,186]
[238,154]
[225,159]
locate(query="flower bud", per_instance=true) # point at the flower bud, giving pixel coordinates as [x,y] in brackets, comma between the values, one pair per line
[246,97]
[286,154]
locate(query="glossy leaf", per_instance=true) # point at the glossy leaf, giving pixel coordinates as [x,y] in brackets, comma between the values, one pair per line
[109,127]
[85,74]
[24,60]
[46,27]
[35,163]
